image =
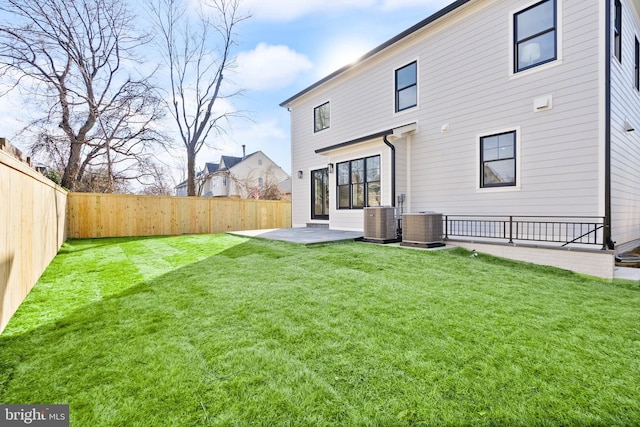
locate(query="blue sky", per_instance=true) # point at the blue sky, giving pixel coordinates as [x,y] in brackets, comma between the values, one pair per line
[284,47]
[310,39]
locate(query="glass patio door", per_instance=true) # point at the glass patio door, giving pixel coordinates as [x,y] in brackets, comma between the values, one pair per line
[320,194]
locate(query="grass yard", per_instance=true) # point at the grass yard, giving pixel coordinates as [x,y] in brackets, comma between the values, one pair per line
[221,330]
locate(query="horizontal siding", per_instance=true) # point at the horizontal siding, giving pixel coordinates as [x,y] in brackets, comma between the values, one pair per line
[625,146]
[464,81]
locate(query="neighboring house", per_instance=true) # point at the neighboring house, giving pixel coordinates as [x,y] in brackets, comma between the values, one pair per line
[498,108]
[181,189]
[285,189]
[244,177]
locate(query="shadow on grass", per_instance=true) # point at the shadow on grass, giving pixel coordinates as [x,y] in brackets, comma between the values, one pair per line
[106,357]
[265,333]
[80,245]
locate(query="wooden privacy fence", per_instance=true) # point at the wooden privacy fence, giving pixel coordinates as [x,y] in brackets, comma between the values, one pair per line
[32,228]
[114,215]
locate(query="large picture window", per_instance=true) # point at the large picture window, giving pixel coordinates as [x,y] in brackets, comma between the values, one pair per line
[358,183]
[535,30]
[498,160]
[407,87]
[321,117]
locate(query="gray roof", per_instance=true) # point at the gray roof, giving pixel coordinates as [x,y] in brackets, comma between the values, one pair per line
[211,167]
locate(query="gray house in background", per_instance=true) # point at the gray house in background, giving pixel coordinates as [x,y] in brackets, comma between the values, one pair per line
[501,115]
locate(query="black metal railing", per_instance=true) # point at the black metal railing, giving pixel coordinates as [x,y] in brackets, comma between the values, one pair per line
[556,229]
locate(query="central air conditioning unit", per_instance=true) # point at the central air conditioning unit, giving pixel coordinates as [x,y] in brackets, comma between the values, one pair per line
[422,230]
[380,224]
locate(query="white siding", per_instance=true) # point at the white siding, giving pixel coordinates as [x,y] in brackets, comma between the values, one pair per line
[625,146]
[464,81]
[246,175]
[241,179]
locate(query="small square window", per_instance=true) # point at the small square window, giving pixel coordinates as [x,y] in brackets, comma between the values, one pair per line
[407,87]
[498,160]
[321,117]
[535,35]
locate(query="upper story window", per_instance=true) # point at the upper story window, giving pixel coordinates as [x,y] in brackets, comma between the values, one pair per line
[321,117]
[617,31]
[358,183]
[407,87]
[535,30]
[498,160]
[637,69]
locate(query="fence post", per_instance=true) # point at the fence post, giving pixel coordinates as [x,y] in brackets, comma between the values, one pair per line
[446,227]
[510,230]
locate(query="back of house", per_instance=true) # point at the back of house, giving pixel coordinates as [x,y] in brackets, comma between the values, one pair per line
[510,108]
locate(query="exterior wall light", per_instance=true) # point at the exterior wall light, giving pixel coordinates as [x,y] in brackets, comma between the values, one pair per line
[330,167]
[300,174]
[628,127]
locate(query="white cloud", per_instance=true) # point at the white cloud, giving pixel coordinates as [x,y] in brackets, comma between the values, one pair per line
[288,10]
[269,67]
[399,4]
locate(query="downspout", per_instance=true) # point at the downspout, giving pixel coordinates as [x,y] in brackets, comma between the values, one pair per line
[393,170]
[607,241]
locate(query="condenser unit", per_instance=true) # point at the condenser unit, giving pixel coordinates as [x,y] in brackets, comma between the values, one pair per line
[422,229]
[380,224]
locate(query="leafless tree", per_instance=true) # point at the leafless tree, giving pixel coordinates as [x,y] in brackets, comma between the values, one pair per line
[161,184]
[75,58]
[196,69]
[253,186]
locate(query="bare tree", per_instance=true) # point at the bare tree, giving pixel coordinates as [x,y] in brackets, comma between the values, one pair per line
[160,184]
[75,58]
[256,185]
[196,71]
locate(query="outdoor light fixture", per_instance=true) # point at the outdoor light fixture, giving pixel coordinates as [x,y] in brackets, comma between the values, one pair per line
[299,174]
[330,167]
[628,126]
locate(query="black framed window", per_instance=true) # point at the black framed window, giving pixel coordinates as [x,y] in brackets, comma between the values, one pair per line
[321,117]
[498,160]
[535,30]
[617,31]
[358,183]
[637,65]
[407,87]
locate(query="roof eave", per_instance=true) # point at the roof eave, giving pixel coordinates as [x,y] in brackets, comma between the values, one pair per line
[439,14]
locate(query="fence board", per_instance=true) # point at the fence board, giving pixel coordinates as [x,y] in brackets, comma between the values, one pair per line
[92,215]
[32,229]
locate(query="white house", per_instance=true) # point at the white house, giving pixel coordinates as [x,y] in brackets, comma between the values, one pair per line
[243,177]
[502,113]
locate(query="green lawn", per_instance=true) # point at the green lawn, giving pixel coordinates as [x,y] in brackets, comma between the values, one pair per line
[221,330]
